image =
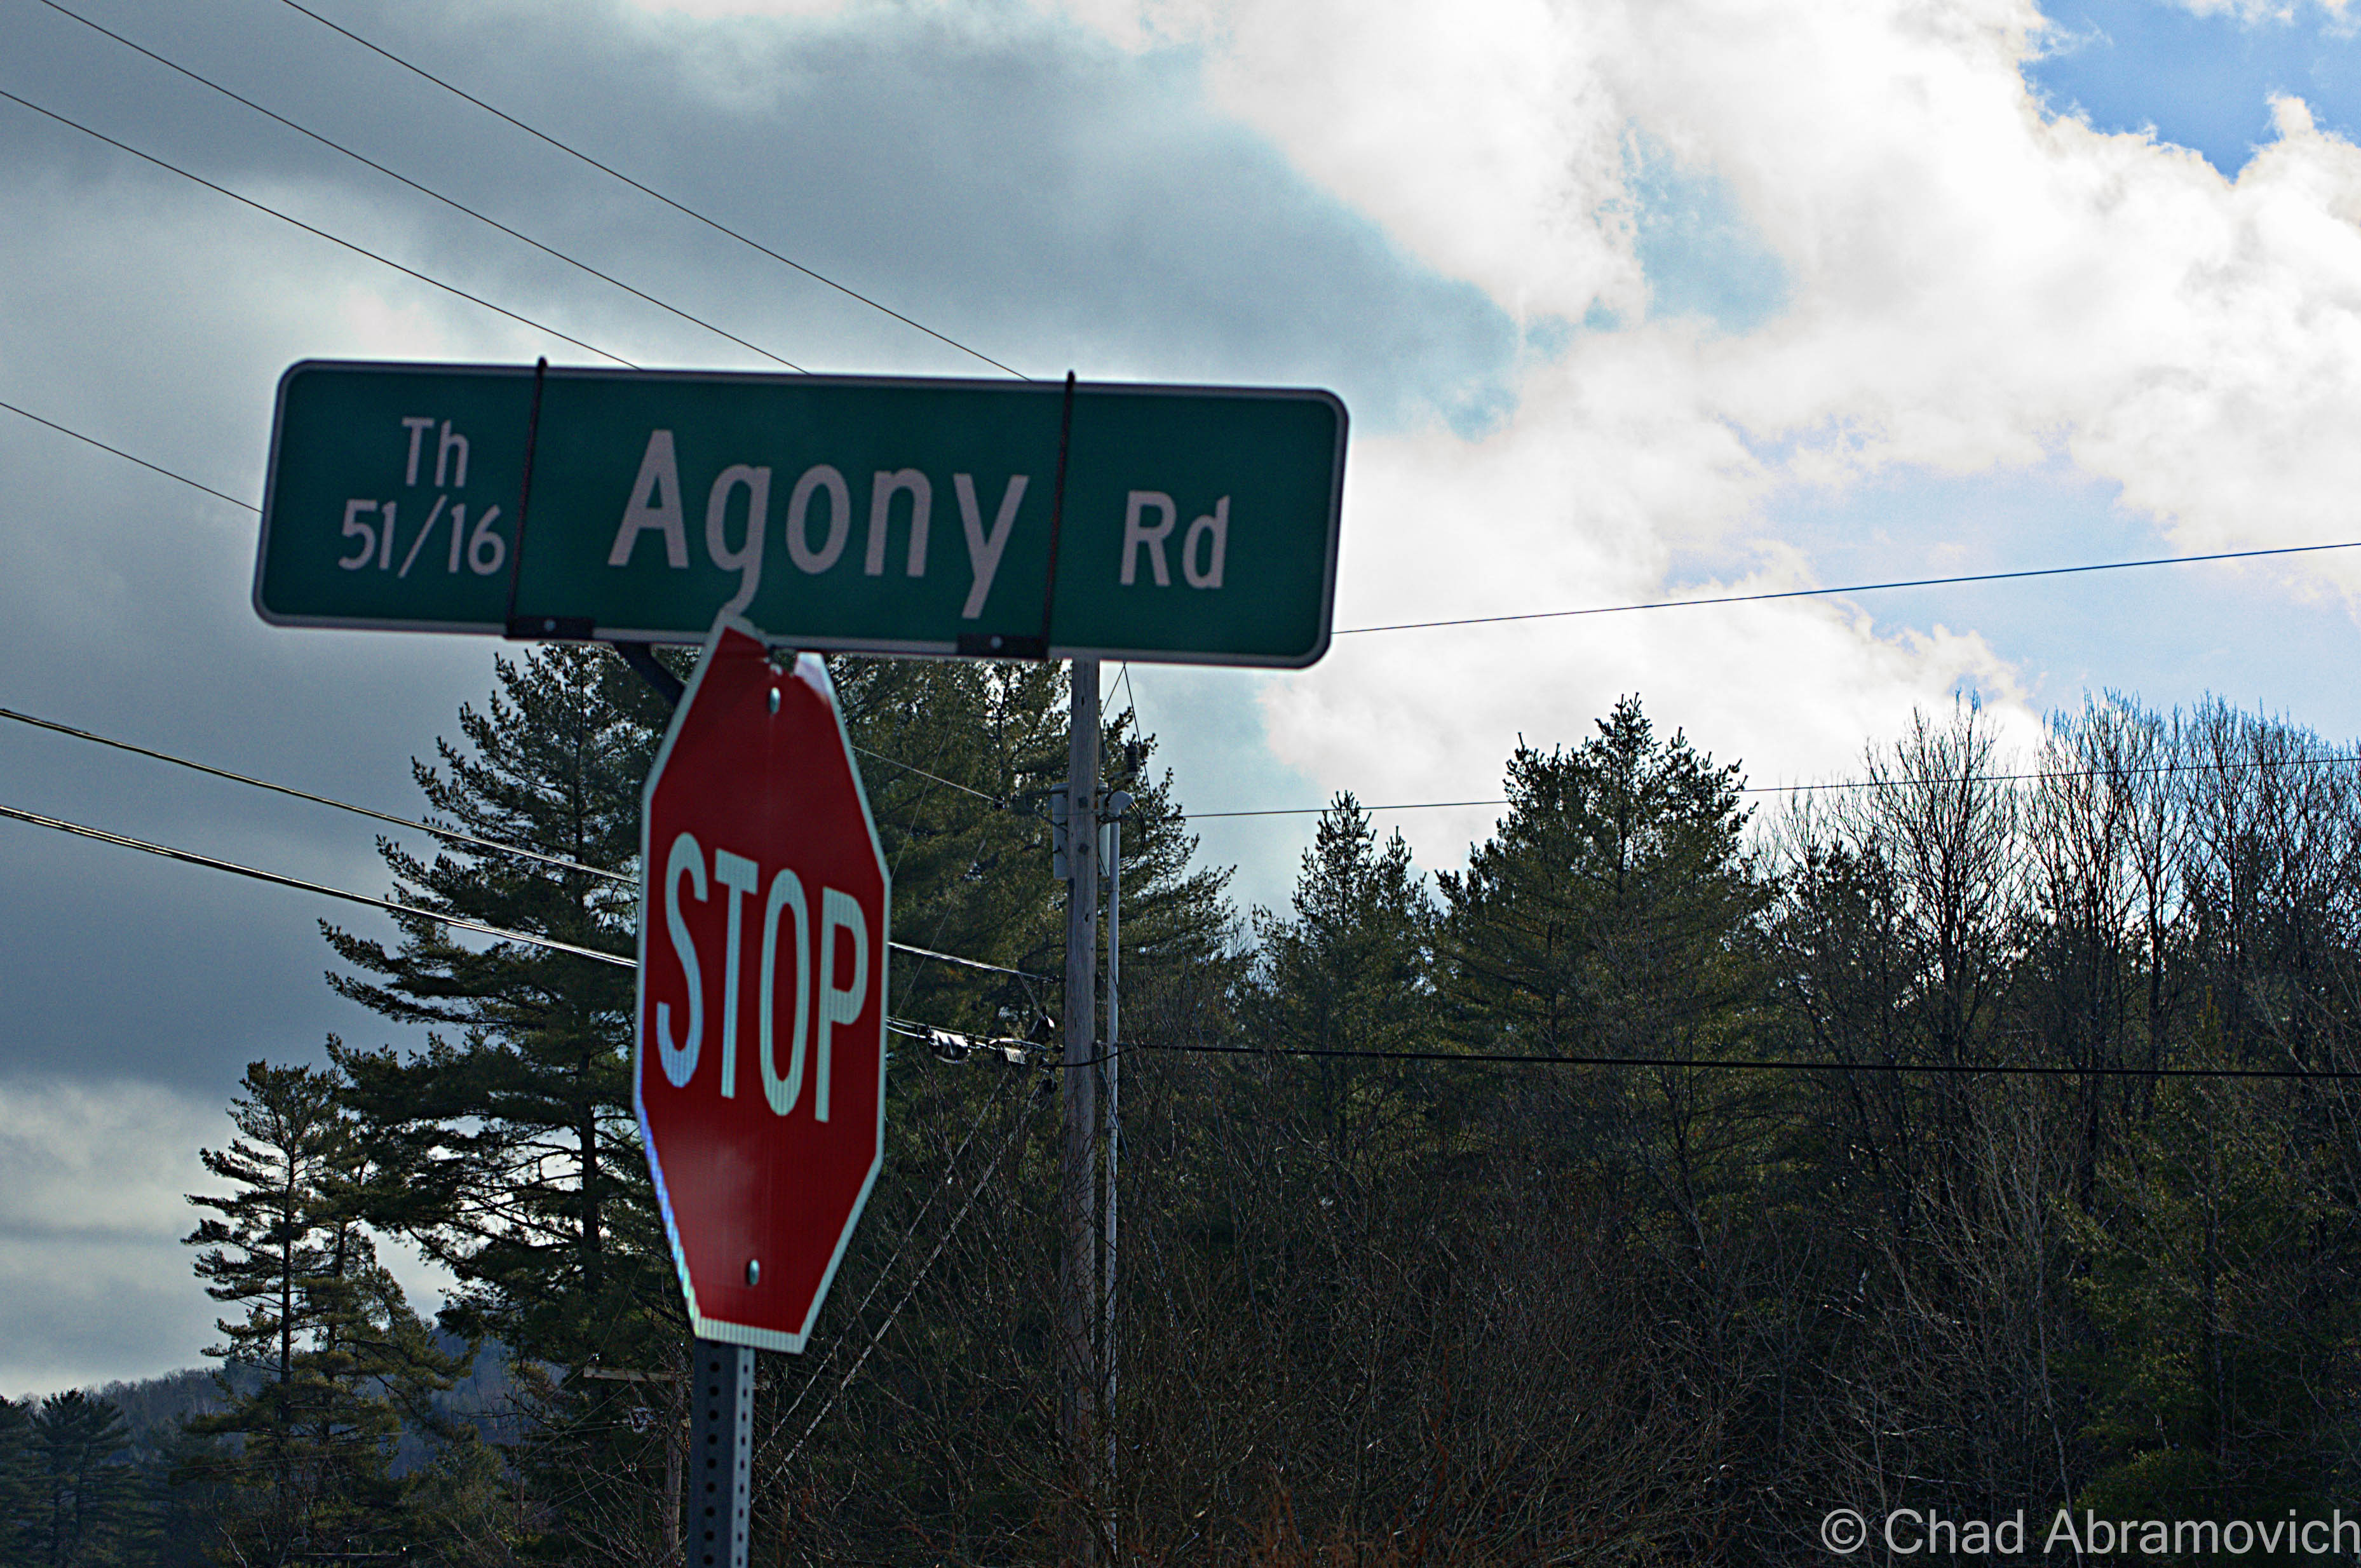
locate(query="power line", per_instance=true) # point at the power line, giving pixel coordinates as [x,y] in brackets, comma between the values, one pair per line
[118,452]
[973,963]
[449,833]
[2040,775]
[1753,1064]
[214,863]
[191,857]
[423,190]
[557,861]
[1833,786]
[649,191]
[917,1280]
[1323,810]
[323,234]
[1851,589]
[886,1272]
[934,778]
[1006,1046]
[1445,805]
[1740,1064]
[2226,765]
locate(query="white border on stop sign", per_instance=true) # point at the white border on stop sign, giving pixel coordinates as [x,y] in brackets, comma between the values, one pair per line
[702,1326]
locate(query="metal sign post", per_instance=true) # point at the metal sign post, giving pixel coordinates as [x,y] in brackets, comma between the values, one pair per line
[720,1452]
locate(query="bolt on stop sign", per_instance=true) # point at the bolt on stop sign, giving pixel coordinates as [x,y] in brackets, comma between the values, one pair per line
[764,908]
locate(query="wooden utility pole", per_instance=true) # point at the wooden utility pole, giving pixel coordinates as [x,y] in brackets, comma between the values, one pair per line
[1079,1270]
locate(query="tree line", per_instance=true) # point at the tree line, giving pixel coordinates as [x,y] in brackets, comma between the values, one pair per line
[1400,1281]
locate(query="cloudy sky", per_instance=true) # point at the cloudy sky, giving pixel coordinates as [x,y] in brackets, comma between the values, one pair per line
[1629,298]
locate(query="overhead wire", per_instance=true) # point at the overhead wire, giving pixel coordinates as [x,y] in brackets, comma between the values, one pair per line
[1833,786]
[975,1044]
[213,862]
[128,457]
[931,778]
[885,1270]
[649,191]
[1605,609]
[562,863]
[1471,1057]
[2040,775]
[451,834]
[557,861]
[1746,1064]
[356,249]
[423,189]
[982,1183]
[1853,588]
[216,864]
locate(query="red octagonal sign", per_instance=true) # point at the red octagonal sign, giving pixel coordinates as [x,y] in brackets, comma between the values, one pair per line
[764,907]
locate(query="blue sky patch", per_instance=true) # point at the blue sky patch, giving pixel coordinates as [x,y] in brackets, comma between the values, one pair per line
[1701,256]
[2202,83]
[2168,634]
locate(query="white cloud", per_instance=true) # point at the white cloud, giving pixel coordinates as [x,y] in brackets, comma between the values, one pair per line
[1972,288]
[91,1212]
[710,10]
[1579,502]
[95,1281]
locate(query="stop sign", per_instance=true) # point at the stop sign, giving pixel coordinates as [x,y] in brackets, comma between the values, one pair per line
[761,1071]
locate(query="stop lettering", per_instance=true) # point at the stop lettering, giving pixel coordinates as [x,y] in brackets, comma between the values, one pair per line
[763,940]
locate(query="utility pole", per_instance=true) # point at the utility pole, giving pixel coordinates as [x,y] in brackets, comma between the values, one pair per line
[1116,805]
[1079,1271]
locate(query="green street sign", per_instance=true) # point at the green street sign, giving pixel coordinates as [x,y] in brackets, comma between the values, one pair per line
[1184,524]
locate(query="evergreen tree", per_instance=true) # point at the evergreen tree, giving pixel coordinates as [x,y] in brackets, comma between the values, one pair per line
[341,1355]
[87,1500]
[508,1148]
[1611,911]
[2224,1373]
[959,760]
[1351,971]
[16,1480]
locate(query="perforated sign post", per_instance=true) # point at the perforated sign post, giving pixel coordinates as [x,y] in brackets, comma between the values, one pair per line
[759,1078]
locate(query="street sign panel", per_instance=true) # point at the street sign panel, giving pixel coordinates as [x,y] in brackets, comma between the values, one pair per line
[1185,524]
[764,907]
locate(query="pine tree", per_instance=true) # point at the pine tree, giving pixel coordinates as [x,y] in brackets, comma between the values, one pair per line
[1352,971]
[2222,1372]
[1610,911]
[1615,913]
[17,1485]
[86,1500]
[958,760]
[508,1148]
[944,1436]
[340,1355]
